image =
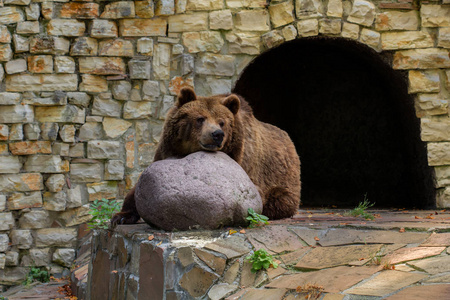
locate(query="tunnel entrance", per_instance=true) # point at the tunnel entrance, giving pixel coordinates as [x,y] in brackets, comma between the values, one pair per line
[351,119]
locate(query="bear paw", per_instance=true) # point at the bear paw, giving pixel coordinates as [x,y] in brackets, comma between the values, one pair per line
[124,218]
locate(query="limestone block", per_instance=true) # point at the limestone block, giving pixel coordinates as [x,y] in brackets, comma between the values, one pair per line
[330,26]
[247,43]
[114,170]
[49,45]
[5,36]
[75,216]
[36,258]
[443,199]
[309,8]
[434,15]
[117,47]
[137,110]
[431,104]
[143,27]
[370,38]
[178,82]
[145,46]
[216,64]
[2,203]
[350,31]
[4,132]
[104,149]
[17,2]
[55,182]
[423,81]
[21,44]
[11,15]
[4,241]
[40,64]
[44,164]
[139,69]
[118,10]
[103,29]
[16,113]
[104,189]
[68,113]
[93,84]
[187,64]
[144,9]
[64,64]
[22,239]
[431,58]
[106,107]
[12,258]
[48,10]
[31,131]
[66,27]
[32,12]
[55,201]
[246,3]
[289,32]
[102,65]
[363,13]
[435,129]
[16,132]
[6,53]
[121,90]
[86,172]
[220,19]
[6,221]
[150,90]
[39,82]
[444,37]
[75,197]
[46,99]
[397,20]
[447,79]
[29,148]
[77,150]
[212,86]
[84,46]
[442,175]
[56,237]
[281,13]
[204,5]
[164,7]
[77,10]
[13,276]
[167,103]
[49,131]
[35,219]
[9,98]
[203,41]
[16,66]
[10,164]
[24,182]
[115,127]
[146,152]
[64,257]
[308,27]
[67,133]
[188,22]
[27,27]
[406,40]
[18,201]
[161,62]
[438,154]
[335,8]
[252,20]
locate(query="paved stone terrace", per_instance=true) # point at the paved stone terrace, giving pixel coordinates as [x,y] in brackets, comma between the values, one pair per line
[400,255]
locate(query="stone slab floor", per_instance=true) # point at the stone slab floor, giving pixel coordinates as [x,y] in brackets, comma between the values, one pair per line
[323,254]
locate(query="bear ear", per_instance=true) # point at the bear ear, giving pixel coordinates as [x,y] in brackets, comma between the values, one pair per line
[186,95]
[233,103]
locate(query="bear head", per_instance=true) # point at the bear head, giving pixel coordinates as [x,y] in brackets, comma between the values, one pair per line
[203,123]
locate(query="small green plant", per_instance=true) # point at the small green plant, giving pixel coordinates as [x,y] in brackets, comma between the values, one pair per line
[37,274]
[360,210]
[260,259]
[102,212]
[256,219]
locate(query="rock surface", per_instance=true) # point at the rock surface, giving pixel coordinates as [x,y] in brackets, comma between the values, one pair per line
[206,189]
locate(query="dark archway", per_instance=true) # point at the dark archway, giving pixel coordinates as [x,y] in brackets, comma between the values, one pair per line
[350,117]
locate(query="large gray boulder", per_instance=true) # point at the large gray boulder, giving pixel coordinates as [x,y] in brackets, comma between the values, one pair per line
[208,189]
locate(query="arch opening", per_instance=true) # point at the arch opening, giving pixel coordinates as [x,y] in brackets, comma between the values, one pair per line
[351,119]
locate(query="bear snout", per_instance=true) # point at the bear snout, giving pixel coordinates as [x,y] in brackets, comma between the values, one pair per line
[218,136]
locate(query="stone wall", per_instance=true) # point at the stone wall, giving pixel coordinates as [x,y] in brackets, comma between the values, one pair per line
[85,87]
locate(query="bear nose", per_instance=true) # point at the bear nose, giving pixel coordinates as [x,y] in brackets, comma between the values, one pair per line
[218,136]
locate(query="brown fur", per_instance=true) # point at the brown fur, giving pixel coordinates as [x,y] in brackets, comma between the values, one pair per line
[264,151]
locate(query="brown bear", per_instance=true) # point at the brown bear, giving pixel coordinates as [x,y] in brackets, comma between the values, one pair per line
[226,123]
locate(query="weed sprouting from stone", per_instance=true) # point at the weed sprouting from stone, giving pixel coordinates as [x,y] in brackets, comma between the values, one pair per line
[360,210]
[260,259]
[256,219]
[102,212]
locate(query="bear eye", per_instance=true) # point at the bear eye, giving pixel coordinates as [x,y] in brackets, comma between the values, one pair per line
[200,120]
[221,123]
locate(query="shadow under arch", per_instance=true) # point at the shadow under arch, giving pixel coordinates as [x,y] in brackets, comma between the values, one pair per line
[351,119]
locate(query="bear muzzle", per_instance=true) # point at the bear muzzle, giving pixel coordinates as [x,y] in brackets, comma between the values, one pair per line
[214,141]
